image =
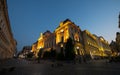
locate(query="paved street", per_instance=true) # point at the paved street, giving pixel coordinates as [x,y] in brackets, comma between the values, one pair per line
[46,68]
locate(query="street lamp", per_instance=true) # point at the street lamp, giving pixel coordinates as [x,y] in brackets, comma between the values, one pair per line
[61,45]
[61,48]
[78,50]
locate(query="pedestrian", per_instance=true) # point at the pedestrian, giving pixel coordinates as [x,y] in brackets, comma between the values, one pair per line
[80,59]
[38,59]
[39,55]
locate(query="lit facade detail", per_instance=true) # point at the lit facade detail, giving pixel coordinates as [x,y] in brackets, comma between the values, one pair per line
[104,47]
[34,49]
[40,42]
[46,41]
[95,46]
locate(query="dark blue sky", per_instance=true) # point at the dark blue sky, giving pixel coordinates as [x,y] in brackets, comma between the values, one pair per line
[29,18]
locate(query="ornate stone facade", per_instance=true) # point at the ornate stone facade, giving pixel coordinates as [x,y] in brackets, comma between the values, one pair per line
[46,41]
[85,43]
[7,42]
[95,46]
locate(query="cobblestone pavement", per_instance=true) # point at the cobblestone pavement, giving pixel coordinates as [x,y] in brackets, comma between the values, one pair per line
[61,68]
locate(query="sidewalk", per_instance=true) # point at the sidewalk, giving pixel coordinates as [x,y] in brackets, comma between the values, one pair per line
[102,61]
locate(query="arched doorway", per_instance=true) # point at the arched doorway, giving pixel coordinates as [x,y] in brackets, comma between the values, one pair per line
[79,52]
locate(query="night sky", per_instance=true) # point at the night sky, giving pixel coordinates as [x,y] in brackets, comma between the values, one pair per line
[28,18]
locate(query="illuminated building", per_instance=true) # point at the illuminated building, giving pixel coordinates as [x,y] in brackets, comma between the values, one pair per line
[49,39]
[25,51]
[7,42]
[34,49]
[115,45]
[90,45]
[95,46]
[104,47]
[86,45]
[46,41]
[68,29]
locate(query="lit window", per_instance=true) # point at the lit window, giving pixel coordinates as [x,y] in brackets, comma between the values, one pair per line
[62,30]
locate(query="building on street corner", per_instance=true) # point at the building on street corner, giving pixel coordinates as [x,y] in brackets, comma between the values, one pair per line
[86,45]
[7,41]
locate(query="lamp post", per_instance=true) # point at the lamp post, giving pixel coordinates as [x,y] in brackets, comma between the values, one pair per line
[78,50]
[78,54]
[62,48]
